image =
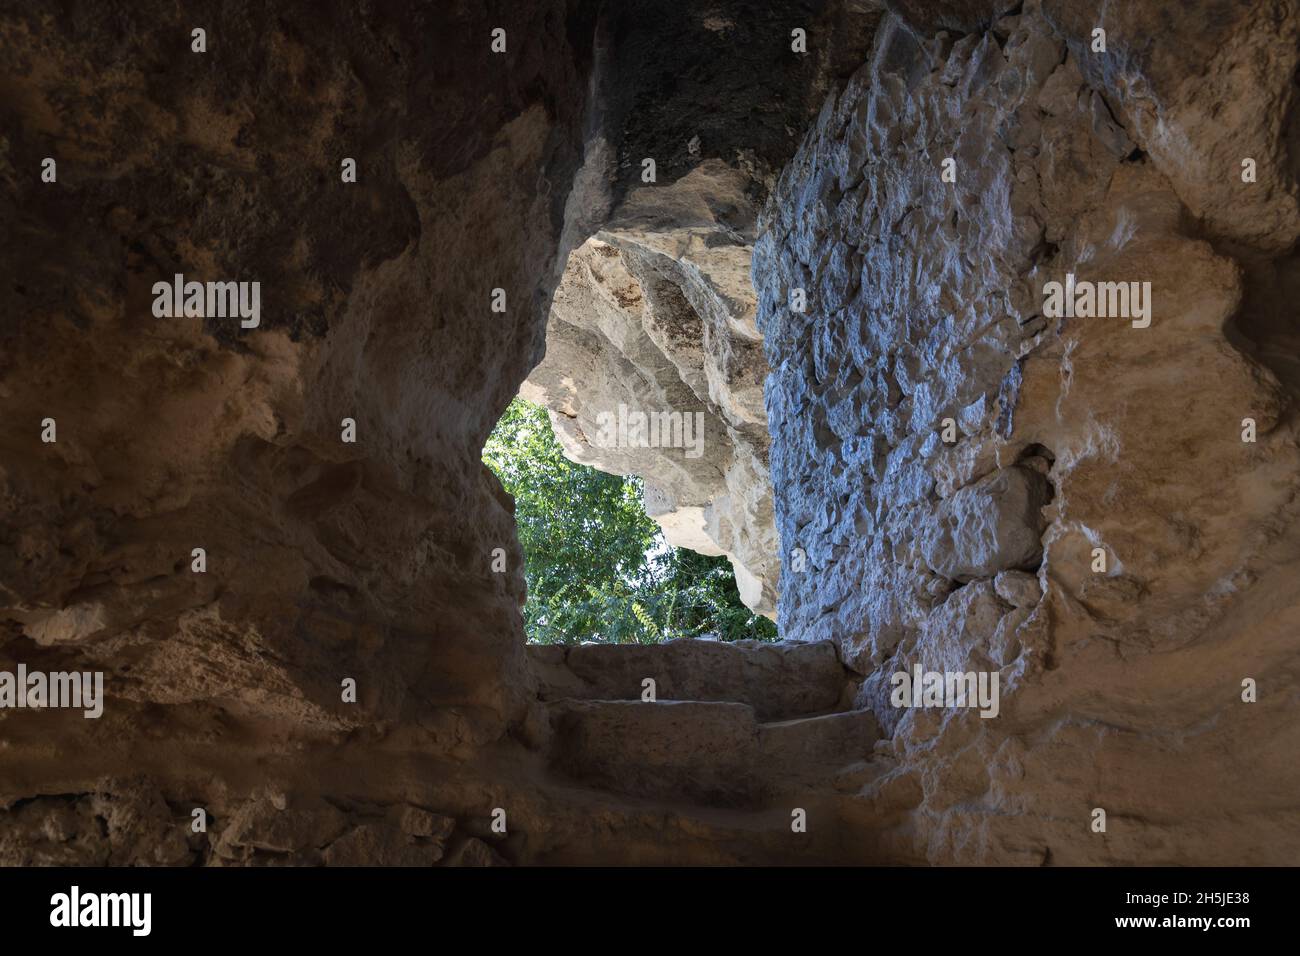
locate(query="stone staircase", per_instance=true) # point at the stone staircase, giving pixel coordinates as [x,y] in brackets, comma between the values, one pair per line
[743,725]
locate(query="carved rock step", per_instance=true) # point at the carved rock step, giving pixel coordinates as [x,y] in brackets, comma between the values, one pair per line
[603,829]
[812,750]
[779,680]
[706,752]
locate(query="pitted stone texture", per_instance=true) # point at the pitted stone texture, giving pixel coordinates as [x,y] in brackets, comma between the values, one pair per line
[1121,687]
[926,303]
[119,823]
[325,560]
[922,301]
[778,680]
[992,525]
[329,561]
[265,828]
[1018,589]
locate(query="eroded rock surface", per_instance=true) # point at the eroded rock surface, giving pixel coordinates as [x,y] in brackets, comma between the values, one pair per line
[324,560]
[657,322]
[967,483]
[655,313]
[938,437]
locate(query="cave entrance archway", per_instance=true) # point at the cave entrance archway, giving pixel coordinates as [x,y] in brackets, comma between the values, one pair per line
[654,368]
[598,567]
[654,373]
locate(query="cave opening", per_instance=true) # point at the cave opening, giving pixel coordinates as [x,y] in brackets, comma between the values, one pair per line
[597,566]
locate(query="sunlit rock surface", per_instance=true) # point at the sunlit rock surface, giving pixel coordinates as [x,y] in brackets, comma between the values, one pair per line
[657,324]
[655,313]
[1103,457]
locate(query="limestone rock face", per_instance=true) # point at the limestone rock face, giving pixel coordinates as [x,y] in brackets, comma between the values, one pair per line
[991,525]
[125,823]
[655,313]
[1095,505]
[323,560]
[957,16]
[201,530]
[982,483]
[1224,94]
[661,323]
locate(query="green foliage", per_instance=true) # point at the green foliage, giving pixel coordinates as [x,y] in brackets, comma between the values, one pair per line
[597,566]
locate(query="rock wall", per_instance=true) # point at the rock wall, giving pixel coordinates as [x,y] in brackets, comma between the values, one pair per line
[325,560]
[946,459]
[972,484]
[655,313]
[653,321]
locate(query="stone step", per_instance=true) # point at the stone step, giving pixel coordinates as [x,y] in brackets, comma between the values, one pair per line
[714,753]
[698,751]
[604,829]
[812,750]
[779,680]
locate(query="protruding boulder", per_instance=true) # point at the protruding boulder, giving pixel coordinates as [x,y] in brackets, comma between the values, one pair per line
[993,525]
